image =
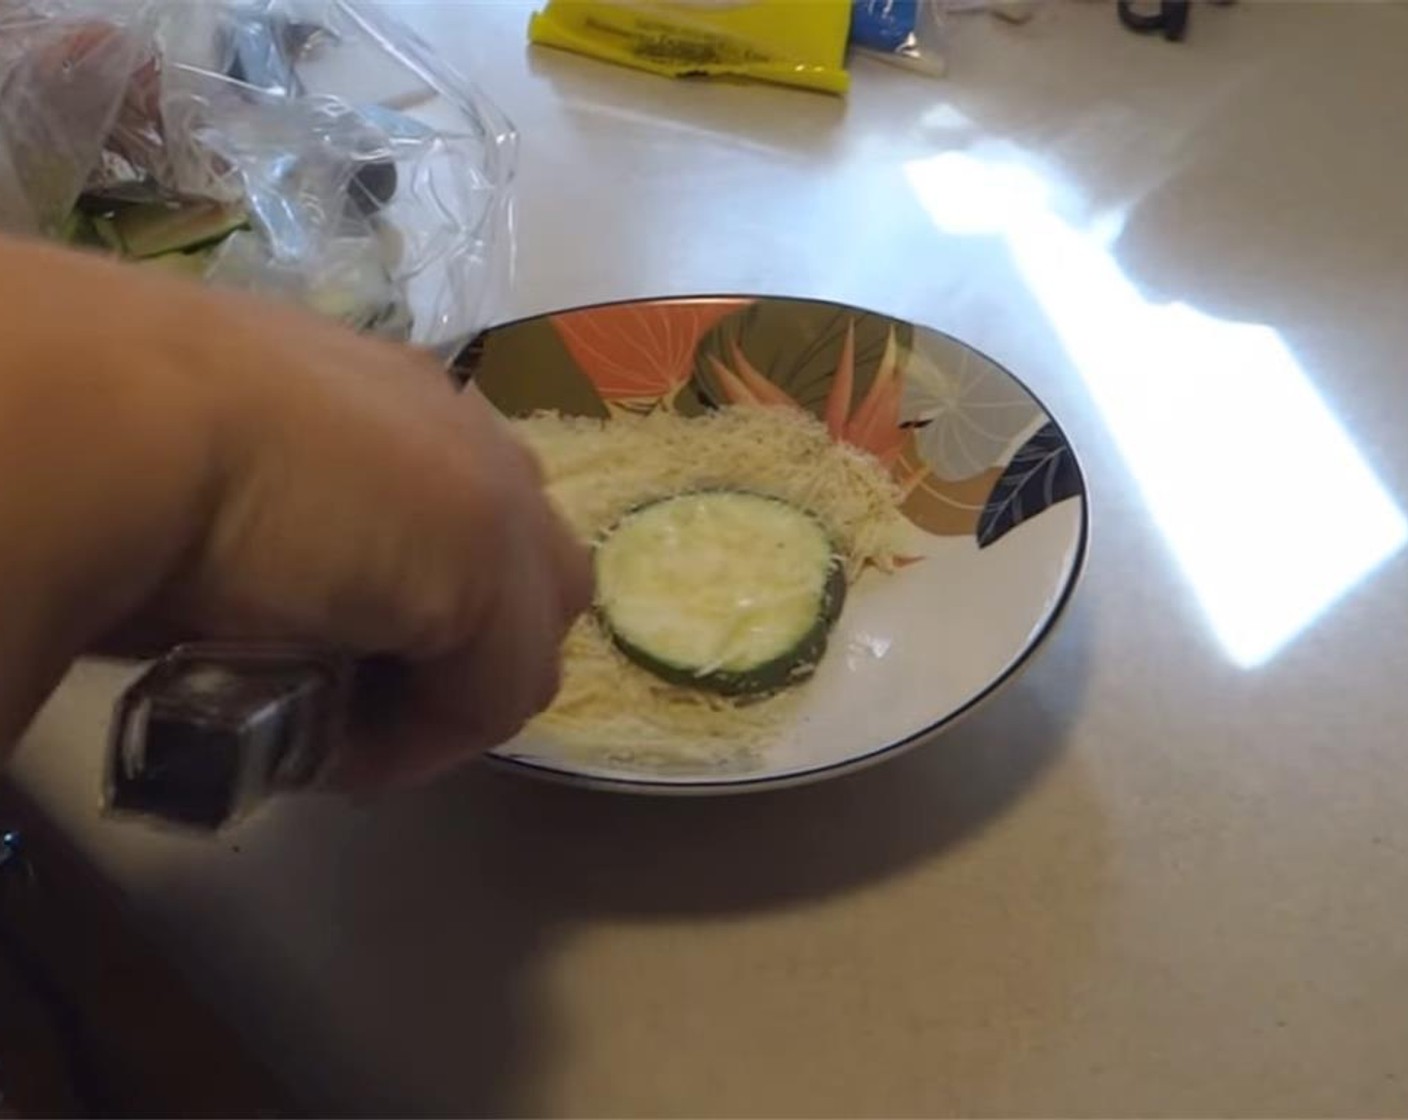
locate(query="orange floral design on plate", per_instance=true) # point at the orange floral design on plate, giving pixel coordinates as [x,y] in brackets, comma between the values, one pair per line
[872,425]
[639,356]
[940,506]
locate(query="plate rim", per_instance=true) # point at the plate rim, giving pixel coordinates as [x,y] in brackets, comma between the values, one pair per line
[705,787]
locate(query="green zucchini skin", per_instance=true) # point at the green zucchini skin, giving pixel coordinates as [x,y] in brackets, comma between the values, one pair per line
[153,230]
[792,668]
[789,668]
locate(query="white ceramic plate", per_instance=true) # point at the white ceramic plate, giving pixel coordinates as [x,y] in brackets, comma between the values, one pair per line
[993,486]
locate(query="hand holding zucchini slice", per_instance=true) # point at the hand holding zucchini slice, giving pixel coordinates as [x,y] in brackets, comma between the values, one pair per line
[728,591]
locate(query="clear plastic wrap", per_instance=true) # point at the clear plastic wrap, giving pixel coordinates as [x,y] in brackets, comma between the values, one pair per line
[63,78]
[310,149]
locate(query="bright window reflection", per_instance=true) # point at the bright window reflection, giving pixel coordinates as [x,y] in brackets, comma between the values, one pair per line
[1268,507]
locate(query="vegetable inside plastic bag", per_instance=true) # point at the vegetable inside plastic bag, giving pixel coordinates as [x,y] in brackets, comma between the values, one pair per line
[309,149]
[63,78]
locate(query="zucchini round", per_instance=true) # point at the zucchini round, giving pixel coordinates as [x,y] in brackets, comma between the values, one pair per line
[723,590]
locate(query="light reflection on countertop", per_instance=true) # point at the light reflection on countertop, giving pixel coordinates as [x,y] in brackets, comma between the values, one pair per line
[1218,423]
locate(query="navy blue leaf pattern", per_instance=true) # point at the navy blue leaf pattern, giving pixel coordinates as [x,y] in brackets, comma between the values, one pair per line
[1042,473]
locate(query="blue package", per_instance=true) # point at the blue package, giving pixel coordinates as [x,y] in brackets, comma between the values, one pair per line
[884,25]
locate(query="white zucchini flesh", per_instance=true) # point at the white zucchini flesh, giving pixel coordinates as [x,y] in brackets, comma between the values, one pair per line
[716,582]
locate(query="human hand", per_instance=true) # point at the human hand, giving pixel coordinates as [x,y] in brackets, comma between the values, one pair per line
[373,508]
[283,478]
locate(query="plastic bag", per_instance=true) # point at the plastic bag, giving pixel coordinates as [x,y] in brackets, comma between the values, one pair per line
[63,77]
[798,44]
[916,33]
[309,149]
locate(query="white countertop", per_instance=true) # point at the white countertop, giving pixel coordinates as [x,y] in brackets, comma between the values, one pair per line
[1167,871]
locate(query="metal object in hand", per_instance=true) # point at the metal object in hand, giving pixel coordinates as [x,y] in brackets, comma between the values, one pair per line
[210,731]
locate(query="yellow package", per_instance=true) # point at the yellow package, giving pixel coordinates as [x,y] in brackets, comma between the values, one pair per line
[795,42]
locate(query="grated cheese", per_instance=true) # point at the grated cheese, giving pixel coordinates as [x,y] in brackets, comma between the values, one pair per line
[597,471]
